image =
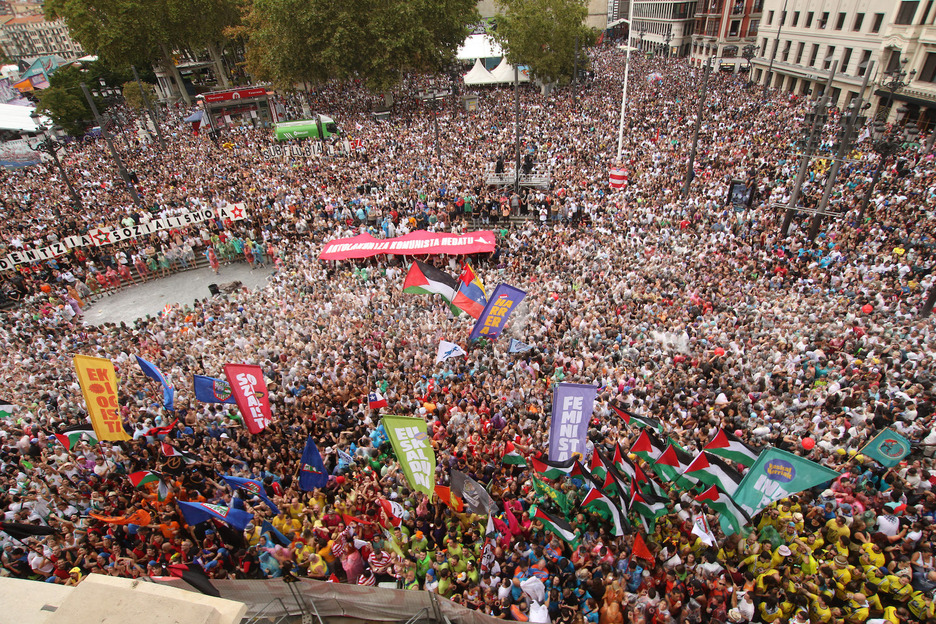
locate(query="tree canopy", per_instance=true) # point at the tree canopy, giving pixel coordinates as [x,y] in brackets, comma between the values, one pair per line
[295,41]
[541,34]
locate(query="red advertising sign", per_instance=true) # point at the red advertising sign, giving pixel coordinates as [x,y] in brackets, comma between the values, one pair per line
[250,394]
[235,94]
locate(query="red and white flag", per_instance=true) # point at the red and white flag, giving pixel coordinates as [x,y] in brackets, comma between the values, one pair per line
[393,511]
[617,178]
[250,394]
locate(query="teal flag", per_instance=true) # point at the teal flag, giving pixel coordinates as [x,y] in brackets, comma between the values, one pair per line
[887,448]
[777,474]
[413,450]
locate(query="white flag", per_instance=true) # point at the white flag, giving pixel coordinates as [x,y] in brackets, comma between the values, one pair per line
[701,528]
[448,350]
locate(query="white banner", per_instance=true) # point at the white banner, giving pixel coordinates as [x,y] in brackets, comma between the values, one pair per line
[111,235]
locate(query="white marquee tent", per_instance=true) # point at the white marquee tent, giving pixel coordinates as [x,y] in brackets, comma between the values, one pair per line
[479,76]
[505,73]
[479,47]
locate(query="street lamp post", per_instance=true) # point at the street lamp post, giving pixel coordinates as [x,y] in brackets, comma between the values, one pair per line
[669,37]
[886,144]
[47,143]
[773,55]
[748,53]
[709,62]
[110,146]
[894,81]
[149,108]
[850,122]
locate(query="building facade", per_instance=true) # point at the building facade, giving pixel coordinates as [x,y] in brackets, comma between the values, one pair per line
[664,26]
[723,28]
[799,41]
[32,36]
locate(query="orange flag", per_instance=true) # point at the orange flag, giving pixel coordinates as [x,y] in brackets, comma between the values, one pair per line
[445,495]
[140,517]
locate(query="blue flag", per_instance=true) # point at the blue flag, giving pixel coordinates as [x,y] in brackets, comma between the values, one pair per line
[518,347]
[211,390]
[312,473]
[196,513]
[504,300]
[254,487]
[275,535]
[153,373]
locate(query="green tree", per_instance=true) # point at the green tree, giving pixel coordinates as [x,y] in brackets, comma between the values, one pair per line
[541,34]
[297,41]
[134,96]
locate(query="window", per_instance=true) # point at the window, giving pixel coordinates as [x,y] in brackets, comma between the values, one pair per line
[827,62]
[770,18]
[795,19]
[734,29]
[906,12]
[859,19]
[752,28]
[824,20]
[799,52]
[865,59]
[786,51]
[763,47]
[809,17]
[878,20]
[840,24]
[813,55]
[846,58]
[929,68]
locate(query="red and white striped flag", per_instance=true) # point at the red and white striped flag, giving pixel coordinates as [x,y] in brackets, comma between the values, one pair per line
[617,178]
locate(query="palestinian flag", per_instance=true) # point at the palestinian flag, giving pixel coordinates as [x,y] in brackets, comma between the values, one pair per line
[141,478]
[554,470]
[711,470]
[597,466]
[193,574]
[158,431]
[71,437]
[648,506]
[647,447]
[731,515]
[6,409]
[671,465]
[595,499]
[511,456]
[731,448]
[423,279]
[560,527]
[170,451]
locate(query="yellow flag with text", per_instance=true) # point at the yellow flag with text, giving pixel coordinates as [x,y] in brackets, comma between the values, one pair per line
[98,381]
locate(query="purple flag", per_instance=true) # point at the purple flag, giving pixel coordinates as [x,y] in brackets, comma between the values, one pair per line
[571,413]
[503,301]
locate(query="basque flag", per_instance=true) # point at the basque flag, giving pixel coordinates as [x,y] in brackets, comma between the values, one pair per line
[211,390]
[196,513]
[253,487]
[154,373]
[312,473]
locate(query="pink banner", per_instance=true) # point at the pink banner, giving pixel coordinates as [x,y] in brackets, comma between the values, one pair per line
[414,243]
[250,393]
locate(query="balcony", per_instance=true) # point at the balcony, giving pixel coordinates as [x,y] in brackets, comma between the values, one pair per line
[737,8]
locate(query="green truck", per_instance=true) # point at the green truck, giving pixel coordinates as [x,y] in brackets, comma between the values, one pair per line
[320,126]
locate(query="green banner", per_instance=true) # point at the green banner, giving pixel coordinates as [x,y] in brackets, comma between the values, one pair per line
[545,492]
[887,448]
[777,474]
[413,450]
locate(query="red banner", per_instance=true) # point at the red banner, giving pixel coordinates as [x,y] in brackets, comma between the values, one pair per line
[415,243]
[250,393]
[234,94]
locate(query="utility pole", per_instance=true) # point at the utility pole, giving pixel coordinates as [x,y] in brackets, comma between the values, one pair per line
[812,140]
[110,146]
[848,133]
[149,108]
[698,124]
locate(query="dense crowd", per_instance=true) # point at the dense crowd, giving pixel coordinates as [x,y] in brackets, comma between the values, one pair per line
[680,308]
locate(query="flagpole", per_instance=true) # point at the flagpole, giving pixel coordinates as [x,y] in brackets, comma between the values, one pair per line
[630,18]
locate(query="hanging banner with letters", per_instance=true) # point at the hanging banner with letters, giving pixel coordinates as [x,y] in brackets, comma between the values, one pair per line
[571,413]
[98,381]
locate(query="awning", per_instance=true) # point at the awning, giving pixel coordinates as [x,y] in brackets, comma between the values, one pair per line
[196,116]
[478,46]
[415,243]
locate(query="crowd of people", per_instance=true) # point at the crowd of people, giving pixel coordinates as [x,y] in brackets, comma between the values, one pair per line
[677,307]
